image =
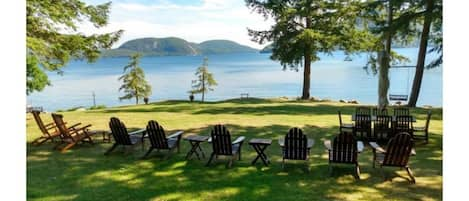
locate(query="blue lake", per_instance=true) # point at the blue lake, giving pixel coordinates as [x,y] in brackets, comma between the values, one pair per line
[253,73]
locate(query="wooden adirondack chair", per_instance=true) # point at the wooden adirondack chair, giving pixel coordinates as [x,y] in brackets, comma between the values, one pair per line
[71,135]
[382,129]
[423,129]
[49,131]
[343,125]
[122,136]
[158,139]
[295,147]
[362,129]
[344,149]
[222,145]
[396,154]
[404,124]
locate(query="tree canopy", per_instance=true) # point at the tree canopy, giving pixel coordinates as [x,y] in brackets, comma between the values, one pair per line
[134,83]
[52,36]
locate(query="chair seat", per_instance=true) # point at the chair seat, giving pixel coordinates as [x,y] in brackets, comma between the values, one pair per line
[172,142]
[347,126]
[135,138]
[235,148]
[419,128]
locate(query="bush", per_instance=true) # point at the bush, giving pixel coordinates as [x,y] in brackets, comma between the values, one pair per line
[97,107]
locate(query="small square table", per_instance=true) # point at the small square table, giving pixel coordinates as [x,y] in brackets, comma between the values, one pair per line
[195,141]
[260,145]
[106,134]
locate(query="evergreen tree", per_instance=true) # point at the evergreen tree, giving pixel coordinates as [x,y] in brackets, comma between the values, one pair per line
[52,38]
[134,83]
[204,81]
[303,28]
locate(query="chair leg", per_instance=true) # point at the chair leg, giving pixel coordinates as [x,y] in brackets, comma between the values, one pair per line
[410,175]
[357,171]
[330,168]
[112,148]
[68,147]
[283,163]
[230,162]
[210,160]
[147,153]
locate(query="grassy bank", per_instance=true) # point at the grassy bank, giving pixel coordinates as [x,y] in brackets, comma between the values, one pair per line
[84,173]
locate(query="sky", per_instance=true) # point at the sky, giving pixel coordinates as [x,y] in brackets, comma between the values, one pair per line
[192,20]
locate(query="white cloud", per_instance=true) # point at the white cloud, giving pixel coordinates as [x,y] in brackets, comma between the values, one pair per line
[212,19]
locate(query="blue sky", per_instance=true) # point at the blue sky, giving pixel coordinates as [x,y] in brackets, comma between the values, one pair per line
[193,20]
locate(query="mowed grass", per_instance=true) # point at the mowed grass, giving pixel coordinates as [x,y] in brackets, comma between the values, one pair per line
[84,173]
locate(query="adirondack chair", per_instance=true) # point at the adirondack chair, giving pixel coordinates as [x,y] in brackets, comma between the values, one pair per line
[222,145]
[343,125]
[70,136]
[382,129]
[362,129]
[49,131]
[380,111]
[295,147]
[158,139]
[121,136]
[396,154]
[363,111]
[404,124]
[423,129]
[344,149]
[401,111]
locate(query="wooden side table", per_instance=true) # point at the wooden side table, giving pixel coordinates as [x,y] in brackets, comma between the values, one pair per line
[106,134]
[260,145]
[195,141]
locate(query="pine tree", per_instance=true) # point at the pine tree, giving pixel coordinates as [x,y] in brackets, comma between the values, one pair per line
[204,81]
[52,38]
[303,28]
[134,83]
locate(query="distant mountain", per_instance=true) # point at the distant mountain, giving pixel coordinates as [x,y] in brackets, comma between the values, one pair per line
[267,49]
[173,46]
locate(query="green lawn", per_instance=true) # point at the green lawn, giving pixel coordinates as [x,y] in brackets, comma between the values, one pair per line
[84,173]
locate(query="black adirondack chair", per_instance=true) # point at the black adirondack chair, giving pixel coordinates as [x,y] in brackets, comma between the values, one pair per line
[382,128]
[49,131]
[344,149]
[222,145]
[295,147]
[159,140]
[396,154]
[401,111]
[363,110]
[72,135]
[362,128]
[343,126]
[423,129]
[403,124]
[121,136]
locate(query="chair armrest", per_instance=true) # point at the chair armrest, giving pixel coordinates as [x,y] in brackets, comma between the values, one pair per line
[412,152]
[376,147]
[360,146]
[75,130]
[137,132]
[176,134]
[238,140]
[327,144]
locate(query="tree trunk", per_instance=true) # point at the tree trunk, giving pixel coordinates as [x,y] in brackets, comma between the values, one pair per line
[383,82]
[414,94]
[307,66]
[136,97]
[203,86]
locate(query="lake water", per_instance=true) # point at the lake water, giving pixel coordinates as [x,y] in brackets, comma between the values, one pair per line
[253,73]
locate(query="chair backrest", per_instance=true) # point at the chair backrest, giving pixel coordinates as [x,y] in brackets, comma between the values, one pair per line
[398,150]
[344,148]
[401,111]
[403,124]
[382,122]
[157,135]
[380,111]
[363,111]
[59,122]
[427,122]
[119,131]
[221,140]
[340,118]
[39,122]
[296,145]
[362,122]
